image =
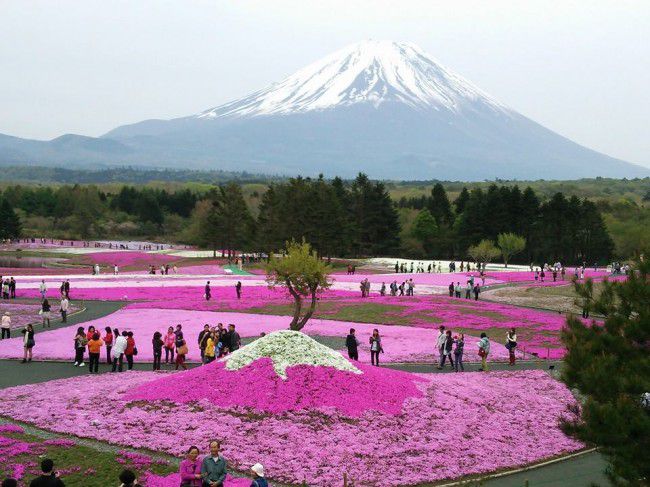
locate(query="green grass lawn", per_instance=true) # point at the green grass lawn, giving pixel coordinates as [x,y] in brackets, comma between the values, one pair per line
[79,465]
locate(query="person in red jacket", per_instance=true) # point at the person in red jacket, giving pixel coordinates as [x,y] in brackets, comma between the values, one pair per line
[108,341]
[130,350]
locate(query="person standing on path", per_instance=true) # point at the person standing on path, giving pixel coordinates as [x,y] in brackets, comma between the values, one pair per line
[45,312]
[6,326]
[458,352]
[118,352]
[238,289]
[352,343]
[207,293]
[12,288]
[375,347]
[94,350]
[440,345]
[65,304]
[235,339]
[451,289]
[42,288]
[108,341]
[170,340]
[203,335]
[484,351]
[157,344]
[181,351]
[80,342]
[66,288]
[130,350]
[447,349]
[511,344]
[28,343]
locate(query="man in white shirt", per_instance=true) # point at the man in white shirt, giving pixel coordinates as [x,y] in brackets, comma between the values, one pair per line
[43,289]
[6,326]
[118,351]
[65,304]
[440,343]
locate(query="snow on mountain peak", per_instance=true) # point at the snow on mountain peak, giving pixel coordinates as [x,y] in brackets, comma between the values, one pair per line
[366,72]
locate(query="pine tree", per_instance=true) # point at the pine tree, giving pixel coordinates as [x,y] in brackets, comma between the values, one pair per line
[609,363]
[461,201]
[10,226]
[439,205]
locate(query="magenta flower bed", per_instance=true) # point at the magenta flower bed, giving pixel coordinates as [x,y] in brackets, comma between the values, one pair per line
[127,258]
[461,424]
[257,386]
[400,343]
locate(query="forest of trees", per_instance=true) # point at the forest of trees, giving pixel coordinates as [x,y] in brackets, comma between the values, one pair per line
[338,218]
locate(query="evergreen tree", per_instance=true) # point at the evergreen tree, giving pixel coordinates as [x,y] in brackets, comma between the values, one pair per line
[609,364]
[425,230]
[10,226]
[461,201]
[439,205]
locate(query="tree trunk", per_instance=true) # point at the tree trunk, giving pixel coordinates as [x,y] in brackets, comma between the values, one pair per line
[310,312]
[297,308]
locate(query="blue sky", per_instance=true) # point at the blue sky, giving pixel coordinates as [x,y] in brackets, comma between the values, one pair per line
[579,68]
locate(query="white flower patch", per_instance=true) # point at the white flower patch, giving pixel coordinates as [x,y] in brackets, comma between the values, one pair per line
[287,348]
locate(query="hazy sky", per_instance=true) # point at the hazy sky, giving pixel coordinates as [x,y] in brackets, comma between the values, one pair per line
[581,68]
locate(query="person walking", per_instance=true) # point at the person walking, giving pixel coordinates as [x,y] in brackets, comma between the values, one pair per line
[352,343]
[65,305]
[484,351]
[45,312]
[157,344]
[42,288]
[130,350]
[238,289]
[375,347]
[468,290]
[80,342]
[207,293]
[477,291]
[170,339]
[108,341]
[190,468]
[511,344]
[28,343]
[5,325]
[458,352]
[440,345]
[94,351]
[214,467]
[118,352]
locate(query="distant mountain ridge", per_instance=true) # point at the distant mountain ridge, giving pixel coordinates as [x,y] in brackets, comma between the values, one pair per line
[381,107]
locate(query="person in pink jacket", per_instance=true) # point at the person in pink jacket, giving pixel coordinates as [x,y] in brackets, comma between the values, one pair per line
[169,340]
[190,469]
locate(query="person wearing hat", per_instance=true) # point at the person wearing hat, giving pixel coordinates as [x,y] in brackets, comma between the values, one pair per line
[258,476]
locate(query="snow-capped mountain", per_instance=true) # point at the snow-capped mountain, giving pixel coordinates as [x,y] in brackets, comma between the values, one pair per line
[371,72]
[385,108]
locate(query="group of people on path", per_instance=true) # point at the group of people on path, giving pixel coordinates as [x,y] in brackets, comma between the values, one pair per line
[453,345]
[195,471]
[352,343]
[8,288]
[456,290]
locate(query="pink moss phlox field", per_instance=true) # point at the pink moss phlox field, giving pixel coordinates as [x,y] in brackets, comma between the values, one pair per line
[400,343]
[257,386]
[464,424]
[129,258]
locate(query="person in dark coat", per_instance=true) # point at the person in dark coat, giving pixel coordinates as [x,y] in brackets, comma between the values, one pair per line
[451,289]
[49,478]
[352,343]
[208,292]
[234,339]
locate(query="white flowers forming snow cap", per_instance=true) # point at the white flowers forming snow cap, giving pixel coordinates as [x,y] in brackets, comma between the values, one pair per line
[287,348]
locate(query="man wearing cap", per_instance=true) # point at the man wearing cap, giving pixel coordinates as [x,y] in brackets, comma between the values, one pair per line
[213,468]
[257,471]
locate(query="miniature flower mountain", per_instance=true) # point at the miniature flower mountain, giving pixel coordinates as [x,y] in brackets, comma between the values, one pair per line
[287,371]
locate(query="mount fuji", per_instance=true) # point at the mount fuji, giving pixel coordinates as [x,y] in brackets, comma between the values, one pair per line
[384,108]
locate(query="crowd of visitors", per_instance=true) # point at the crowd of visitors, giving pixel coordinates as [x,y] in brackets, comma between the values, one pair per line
[194,470]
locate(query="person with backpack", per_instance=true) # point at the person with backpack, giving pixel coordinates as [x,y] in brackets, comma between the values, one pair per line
[484,351]
[80,342]
[181,351]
